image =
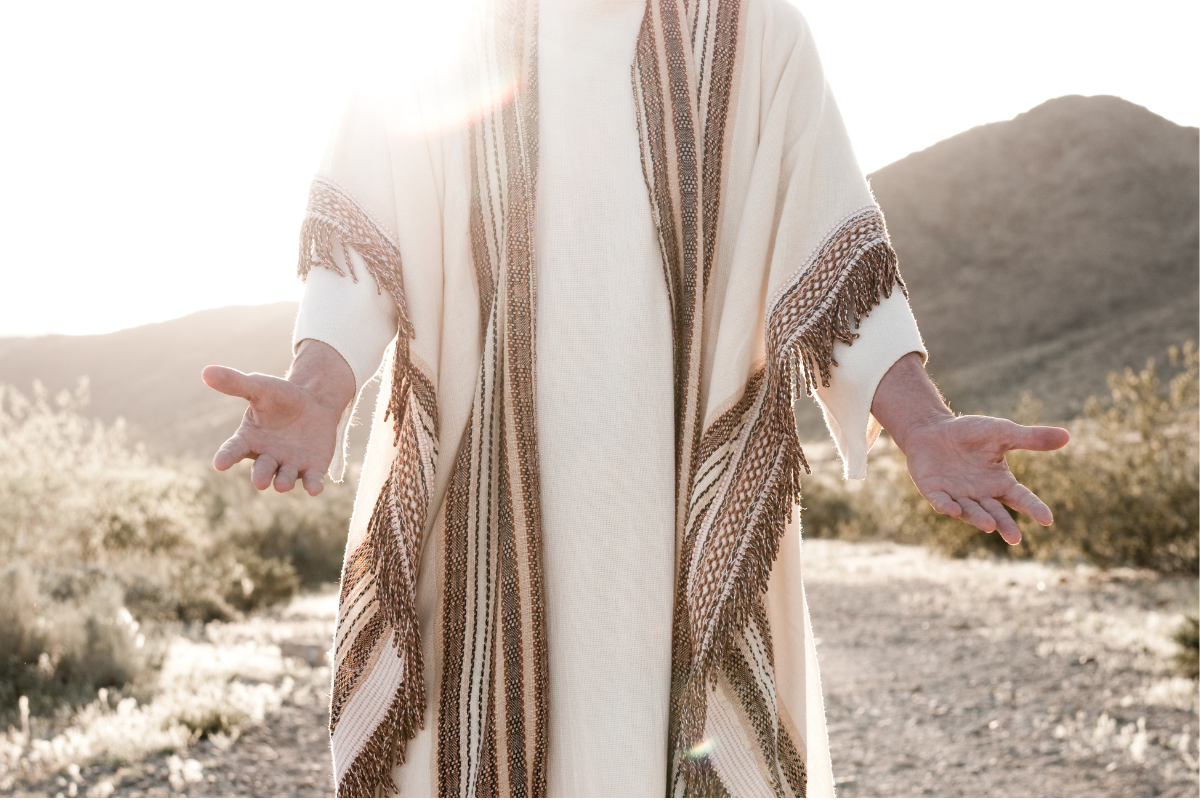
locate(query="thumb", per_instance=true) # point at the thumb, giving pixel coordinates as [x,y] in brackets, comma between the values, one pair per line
[229,381]
[1036,437]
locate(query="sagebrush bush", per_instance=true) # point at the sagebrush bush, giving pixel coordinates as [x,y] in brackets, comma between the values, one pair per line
[1125,492]
[97,536]
[55,649]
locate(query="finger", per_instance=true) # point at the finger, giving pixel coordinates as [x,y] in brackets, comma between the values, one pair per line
[313,482]
[944,504]
[285,479]
[1009,531]
[233,451]
[1022,500]
[1035,437]
[263,472]
[972,513]
[229,381]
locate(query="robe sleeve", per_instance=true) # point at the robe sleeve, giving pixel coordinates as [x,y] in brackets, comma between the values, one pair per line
[824,183]
[886,334]
[357,320]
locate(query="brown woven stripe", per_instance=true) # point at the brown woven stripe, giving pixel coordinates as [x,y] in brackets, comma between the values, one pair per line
[493,716]
[454,621]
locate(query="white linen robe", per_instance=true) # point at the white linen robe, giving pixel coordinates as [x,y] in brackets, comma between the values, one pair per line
[605,422]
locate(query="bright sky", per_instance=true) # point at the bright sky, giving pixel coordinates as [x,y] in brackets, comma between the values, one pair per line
[157,155]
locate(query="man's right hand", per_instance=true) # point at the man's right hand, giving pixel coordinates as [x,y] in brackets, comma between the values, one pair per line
[290,428]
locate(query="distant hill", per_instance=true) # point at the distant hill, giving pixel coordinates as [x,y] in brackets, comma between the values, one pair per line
[150,375]
[1040,253]
[1044,252]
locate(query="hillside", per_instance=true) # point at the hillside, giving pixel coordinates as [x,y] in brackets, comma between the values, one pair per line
[1043,252]
[150,375]
[1040,253]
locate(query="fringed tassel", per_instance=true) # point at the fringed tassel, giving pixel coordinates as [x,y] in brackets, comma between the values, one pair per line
[334,218]
[391,549]
[392,542]
[371,773]
[869,278]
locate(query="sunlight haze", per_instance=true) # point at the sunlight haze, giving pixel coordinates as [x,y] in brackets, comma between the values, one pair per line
[157,156]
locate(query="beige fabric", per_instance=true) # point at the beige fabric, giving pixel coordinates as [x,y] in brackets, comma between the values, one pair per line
[354,317]
[798,144]
[605,413]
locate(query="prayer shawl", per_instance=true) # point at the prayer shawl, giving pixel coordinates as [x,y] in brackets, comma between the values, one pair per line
[772,251]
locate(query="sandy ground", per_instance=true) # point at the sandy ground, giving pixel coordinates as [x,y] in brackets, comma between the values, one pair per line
[941,678]
[992,679]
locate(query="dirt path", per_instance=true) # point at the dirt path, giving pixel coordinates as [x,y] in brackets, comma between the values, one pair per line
[941,678]
[989,678]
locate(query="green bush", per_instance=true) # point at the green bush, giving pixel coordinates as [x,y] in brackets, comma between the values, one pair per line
[55,648]
[1125,492]
[96,537]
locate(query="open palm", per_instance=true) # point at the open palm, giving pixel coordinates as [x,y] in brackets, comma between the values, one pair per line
[958,464]
[288,432]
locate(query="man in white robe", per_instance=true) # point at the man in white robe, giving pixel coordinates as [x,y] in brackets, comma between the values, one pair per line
[606,419]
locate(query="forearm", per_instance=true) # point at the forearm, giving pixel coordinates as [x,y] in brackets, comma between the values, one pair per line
[322,372]
[353,317]
[906,400]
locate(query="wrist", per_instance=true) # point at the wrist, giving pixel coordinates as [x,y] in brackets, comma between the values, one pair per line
[906,401]
[321,371]
[918,424]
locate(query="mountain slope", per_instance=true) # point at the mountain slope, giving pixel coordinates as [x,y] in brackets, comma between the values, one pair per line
[150,375]
[1042,252]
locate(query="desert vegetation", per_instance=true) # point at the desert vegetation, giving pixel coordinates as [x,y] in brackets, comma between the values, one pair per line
[133,582]
[1126,492]
[109,559]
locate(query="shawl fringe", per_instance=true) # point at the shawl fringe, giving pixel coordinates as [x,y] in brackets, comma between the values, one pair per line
[335,218]
[388,557]
[371,770]
[826,300]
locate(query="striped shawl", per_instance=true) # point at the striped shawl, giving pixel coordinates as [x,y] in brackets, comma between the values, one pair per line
[772,251]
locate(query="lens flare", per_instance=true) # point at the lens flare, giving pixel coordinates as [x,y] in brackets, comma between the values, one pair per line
[701,750]
[426,49]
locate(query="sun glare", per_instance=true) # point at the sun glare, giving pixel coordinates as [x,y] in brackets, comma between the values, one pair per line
[161,153]
[427,46]
[409,38]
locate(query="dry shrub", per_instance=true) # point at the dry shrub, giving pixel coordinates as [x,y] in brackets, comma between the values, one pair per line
[1125,492]
[266,528]
[1187,636]
[204,690]
[96,537]
[63,648]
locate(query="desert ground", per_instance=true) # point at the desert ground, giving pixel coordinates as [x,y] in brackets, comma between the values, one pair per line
[941,678]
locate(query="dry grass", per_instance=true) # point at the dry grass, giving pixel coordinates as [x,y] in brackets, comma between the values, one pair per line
[217,682]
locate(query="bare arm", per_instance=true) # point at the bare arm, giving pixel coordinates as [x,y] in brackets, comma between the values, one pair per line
[290,428]
[957,463]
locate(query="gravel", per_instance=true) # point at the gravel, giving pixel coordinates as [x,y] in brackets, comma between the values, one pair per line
[941,678]
[983,678]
